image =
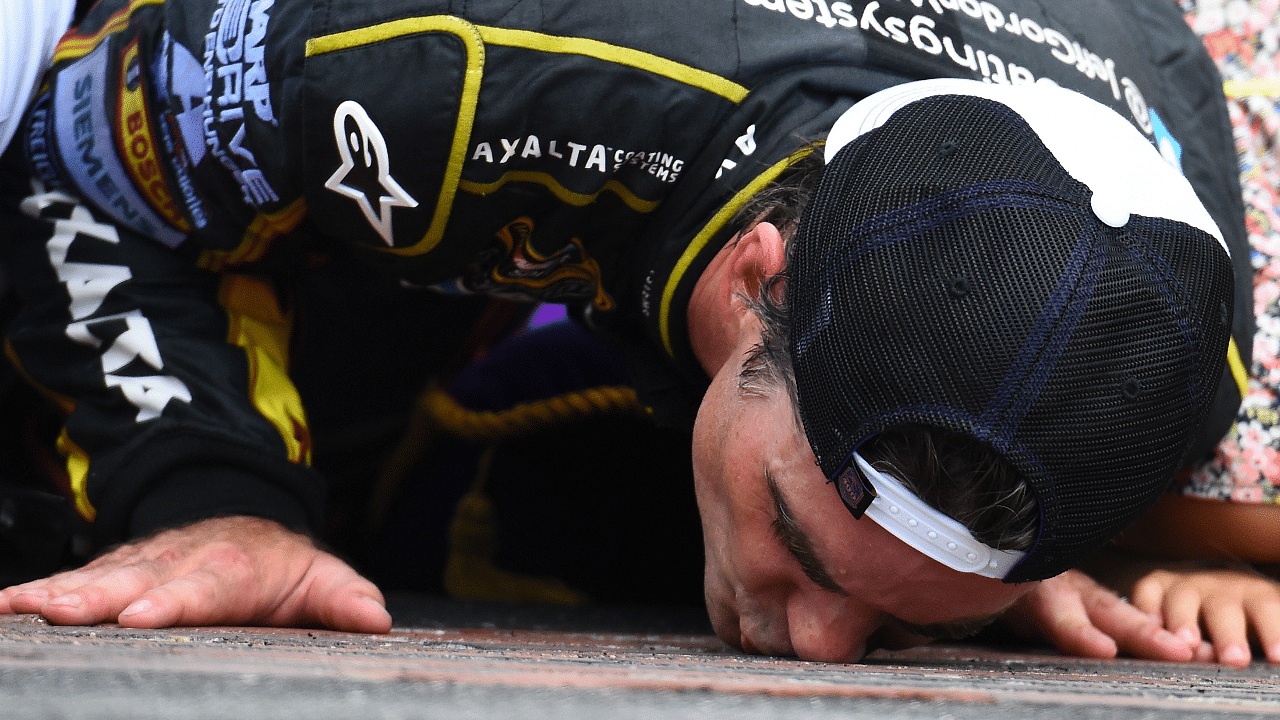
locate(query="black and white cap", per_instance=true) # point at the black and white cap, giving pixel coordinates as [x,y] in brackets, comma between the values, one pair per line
[1020,265]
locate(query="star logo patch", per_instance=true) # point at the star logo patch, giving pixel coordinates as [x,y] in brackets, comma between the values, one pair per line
[365,172]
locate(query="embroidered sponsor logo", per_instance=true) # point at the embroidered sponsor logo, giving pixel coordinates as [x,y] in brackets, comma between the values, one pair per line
[137,142]
[179,80]
[921,26]
[746,144]
[366,168]
[128,352]
[646,295]
[85,146]
[240,54]
[39,144]
[171,136]
[235,76]
[601,158]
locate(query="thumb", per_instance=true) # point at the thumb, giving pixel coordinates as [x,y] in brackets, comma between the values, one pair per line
[337,597]
[358,610]
[1058,610]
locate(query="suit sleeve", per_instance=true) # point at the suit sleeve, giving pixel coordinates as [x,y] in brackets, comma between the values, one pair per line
[152,156]
[174,377]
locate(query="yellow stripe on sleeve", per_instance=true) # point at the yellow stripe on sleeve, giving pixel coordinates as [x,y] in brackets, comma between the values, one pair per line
[562,193]
[74,45]
[78,472]
[257,326]
[616,54]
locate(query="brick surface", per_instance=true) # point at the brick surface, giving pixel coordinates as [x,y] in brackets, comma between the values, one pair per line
[106,671]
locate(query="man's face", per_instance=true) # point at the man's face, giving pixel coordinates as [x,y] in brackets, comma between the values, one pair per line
[788,570]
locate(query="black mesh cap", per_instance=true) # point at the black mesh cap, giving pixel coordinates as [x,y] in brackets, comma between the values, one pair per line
[949,272]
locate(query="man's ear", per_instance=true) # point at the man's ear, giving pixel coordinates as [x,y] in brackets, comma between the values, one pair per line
[759,253]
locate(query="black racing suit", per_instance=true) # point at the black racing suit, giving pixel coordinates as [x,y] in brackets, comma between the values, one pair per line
[188,154]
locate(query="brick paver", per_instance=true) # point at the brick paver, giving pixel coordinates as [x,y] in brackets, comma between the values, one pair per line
[106,671]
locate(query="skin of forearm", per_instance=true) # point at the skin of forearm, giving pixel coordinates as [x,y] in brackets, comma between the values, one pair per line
[1183,528]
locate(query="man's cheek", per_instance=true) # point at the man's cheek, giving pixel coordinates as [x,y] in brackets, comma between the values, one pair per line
[724,617]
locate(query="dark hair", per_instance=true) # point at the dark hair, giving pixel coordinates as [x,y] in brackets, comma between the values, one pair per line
[961,477]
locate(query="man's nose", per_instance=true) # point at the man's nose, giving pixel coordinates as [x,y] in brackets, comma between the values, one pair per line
[827,627]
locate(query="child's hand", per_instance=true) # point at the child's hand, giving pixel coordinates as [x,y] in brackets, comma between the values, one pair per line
[1230,603]
[1083,618]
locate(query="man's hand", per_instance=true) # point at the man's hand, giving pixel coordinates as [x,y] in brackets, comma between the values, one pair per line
[1231,603]
[1083,618]
[223,571]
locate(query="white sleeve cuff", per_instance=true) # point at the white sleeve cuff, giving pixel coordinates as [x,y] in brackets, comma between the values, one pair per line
[29,31]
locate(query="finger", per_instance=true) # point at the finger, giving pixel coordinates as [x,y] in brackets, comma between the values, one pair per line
[12,590]
[102,599]
[1264,617]
[49,586]
[1137,633]
[197,598]
[355,610]
[1182,614]
[27,600]
[225,593]
[1148,594]
[1225,624]
[229,586]
[1062,617]
[31,597]
[1204,653]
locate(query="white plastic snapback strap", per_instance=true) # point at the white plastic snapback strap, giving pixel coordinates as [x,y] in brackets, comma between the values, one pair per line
[917,524]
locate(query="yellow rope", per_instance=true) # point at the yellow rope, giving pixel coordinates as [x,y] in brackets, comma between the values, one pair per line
[472,573]
[437,411]
[486,425]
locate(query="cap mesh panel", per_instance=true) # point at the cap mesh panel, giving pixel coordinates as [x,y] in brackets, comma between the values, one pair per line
[975,290]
